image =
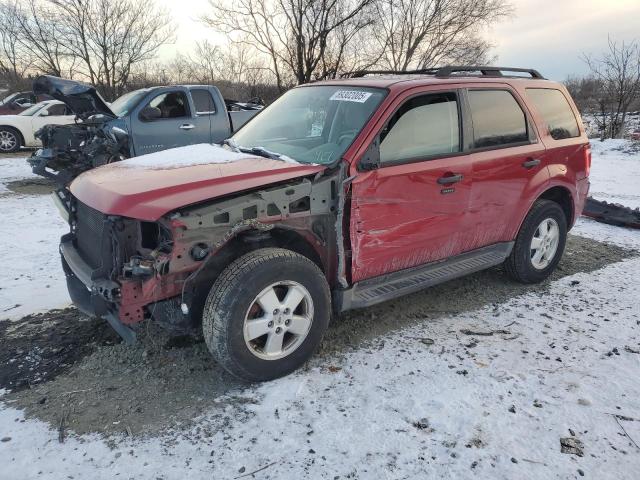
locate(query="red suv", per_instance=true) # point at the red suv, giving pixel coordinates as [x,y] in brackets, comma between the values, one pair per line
[342,194]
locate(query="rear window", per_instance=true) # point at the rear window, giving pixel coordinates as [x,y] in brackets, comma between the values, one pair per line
[497,119]
[203,102]
[555,111]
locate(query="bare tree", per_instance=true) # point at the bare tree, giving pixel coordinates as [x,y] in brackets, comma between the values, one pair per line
[425,33]
[15,61]
[301,38]
[34,28]
[618,73]
[109,38]
[585,92]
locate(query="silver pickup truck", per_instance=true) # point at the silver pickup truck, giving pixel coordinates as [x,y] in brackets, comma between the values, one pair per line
[140,122]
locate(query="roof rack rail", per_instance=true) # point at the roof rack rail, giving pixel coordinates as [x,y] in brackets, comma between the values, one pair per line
[444,72]
[485,70]
[362,73]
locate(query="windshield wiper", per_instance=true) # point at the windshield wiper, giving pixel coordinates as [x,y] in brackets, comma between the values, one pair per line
[263,152]
[231,143]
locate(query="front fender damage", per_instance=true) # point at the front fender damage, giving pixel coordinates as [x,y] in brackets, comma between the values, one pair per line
[205,238]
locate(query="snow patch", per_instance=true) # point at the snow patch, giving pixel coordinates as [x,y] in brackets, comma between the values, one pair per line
[615,172]
[30,231]
[199,154]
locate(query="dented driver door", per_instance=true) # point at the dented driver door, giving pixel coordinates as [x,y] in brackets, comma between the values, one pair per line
[413,209]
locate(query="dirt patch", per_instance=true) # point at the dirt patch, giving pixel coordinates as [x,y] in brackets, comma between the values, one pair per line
[162,383]
[19,154]
[31,186]
[38,348]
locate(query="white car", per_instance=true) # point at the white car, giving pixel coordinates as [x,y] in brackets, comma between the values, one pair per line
[19,130]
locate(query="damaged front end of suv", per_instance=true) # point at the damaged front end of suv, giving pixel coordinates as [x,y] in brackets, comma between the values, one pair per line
[132,266]
[97,138]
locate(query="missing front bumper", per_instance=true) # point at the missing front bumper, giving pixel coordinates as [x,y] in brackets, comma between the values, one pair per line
[90,295]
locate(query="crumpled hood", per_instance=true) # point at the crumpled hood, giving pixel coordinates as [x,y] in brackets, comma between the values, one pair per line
[149,186]
[80,97]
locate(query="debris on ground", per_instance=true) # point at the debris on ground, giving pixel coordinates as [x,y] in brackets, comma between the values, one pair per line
[572,446]
[481,333]
[612,213]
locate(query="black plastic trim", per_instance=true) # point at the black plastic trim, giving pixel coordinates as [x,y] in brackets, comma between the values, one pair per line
[387,287]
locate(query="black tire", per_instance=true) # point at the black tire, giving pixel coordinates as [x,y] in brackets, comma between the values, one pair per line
[519,265]
[234,292]
[13,133]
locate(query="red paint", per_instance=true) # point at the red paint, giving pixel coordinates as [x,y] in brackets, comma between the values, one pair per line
[399,217]
[148,194]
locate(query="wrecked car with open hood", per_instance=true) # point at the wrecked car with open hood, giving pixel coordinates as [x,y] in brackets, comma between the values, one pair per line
[139,122]
[342,194]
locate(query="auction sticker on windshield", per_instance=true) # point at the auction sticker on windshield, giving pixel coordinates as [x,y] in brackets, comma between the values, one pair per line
[350,96]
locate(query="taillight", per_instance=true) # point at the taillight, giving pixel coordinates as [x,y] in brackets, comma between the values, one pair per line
[587,160]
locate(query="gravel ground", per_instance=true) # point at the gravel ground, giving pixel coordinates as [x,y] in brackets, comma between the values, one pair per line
[164,383]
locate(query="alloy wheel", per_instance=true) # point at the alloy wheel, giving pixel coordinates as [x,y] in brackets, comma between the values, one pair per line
[8,141]
[544,243]
[278,320]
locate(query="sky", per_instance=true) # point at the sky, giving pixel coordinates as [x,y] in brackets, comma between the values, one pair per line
[548,35]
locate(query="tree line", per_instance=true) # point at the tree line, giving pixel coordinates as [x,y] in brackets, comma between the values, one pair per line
[612,88]
[272,44]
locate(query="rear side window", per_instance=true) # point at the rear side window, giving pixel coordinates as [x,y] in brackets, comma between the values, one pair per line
[497,119]
[203,101]
[555,111]
[424,126]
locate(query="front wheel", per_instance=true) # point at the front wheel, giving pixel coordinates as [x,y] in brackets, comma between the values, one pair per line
[539,244]
[266,314]
[9,140]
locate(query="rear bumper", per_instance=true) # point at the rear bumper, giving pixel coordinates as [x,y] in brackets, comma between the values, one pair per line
[93,296]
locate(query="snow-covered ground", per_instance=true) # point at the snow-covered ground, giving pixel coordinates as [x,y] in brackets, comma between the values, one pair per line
[30,229]
[615,173]
[437,400]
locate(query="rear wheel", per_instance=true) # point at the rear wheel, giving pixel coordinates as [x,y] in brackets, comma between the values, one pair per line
[9,140]
[266,314]
[539,244]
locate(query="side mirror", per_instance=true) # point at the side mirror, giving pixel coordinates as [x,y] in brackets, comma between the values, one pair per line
[150,113]
[371,158]
[44,112]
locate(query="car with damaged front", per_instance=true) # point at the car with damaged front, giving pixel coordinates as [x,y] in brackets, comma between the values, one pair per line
[340,195]
[139,122]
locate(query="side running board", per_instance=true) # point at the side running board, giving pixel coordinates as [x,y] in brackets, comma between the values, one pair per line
[386,287]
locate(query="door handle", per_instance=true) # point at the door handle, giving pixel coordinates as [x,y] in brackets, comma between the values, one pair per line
[187,126]
[531,162]
[449,179]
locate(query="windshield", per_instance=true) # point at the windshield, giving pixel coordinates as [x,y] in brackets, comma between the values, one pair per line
[8,99]
[127,102]
[313,124]
[32,110]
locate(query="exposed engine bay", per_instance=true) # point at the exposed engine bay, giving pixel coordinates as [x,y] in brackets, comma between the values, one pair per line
[69,150]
